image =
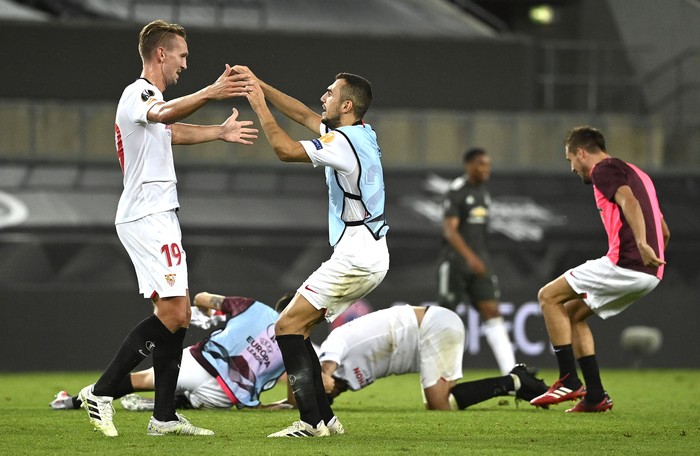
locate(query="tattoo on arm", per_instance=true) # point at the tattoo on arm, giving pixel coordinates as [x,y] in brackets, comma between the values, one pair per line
[216,302]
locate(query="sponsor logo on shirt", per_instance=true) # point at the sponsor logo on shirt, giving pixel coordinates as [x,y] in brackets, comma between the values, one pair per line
[361,378]
[478,214]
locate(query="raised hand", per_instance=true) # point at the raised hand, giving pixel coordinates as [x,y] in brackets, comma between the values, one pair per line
[238,131]
[229,84]
[244,70]
[256,97]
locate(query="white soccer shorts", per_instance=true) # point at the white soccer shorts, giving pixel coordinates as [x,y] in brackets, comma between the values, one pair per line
[198,385]
[358,265]
[608,288]
[441,346]
[154,244]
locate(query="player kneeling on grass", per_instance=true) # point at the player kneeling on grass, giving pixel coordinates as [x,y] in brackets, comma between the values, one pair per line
[405,339]
[232,366]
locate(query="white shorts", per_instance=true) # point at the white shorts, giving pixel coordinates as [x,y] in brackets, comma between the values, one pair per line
[358,265]
[154,244]
[198,385]
[609,289]
[441,346]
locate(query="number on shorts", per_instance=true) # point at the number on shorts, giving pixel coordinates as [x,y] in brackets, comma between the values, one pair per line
[171,251]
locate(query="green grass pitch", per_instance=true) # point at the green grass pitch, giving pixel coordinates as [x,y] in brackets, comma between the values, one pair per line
[656,412]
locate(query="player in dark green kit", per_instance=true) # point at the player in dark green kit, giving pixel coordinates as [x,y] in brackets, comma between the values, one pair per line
[465,268]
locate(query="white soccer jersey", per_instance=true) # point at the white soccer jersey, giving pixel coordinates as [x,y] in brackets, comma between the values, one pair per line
[145,154]
[373,346]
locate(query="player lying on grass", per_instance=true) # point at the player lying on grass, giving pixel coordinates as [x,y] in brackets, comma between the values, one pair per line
[231,366]
[403,339]
[349,359]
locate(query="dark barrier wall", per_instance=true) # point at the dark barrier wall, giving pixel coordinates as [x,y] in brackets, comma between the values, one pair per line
[78,327]
[69,292]
[96,62]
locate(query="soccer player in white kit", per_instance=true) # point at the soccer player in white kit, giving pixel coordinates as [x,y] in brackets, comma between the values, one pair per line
[231,366]
[427,340]
[396,341]
[349,151]
[146,126]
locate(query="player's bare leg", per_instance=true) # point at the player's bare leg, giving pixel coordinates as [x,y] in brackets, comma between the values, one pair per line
[553,299]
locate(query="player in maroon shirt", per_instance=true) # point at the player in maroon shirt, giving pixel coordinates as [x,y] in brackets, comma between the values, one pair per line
[632,267]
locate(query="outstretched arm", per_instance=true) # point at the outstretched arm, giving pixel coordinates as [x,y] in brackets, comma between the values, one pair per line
[285,147]
[231,130]
[228,85]
[206,301]
[289,106]
[633,214]
[282,404]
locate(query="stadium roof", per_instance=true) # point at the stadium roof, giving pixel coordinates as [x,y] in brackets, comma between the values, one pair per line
[410,18]
[10,10]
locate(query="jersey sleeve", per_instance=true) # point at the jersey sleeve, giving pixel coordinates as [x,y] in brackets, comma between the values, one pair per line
[607,178]
[332,149]
[450,205]
[139,100]
[333,348]
[235,305]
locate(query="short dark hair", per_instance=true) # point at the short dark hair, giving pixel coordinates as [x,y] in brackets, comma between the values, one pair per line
[471,154]
[284,301]
[156,34]
[358,90]
[585,137]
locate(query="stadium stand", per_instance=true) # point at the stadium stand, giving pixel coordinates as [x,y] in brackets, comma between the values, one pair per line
[256,227]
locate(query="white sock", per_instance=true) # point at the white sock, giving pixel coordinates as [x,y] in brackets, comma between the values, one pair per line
[497,337]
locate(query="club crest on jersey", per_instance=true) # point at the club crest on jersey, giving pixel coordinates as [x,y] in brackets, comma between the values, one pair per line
[170,278]
[146,94]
